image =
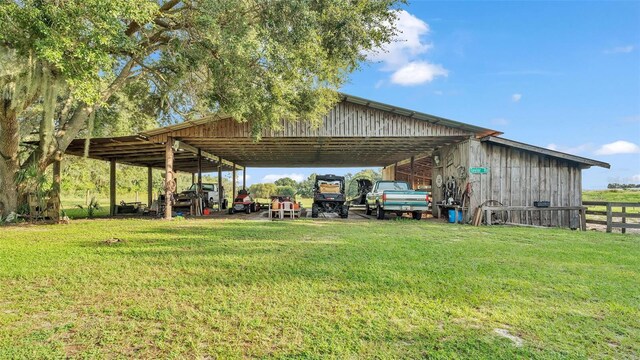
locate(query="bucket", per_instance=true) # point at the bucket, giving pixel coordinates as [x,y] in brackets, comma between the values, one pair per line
[452,216]
[206,211]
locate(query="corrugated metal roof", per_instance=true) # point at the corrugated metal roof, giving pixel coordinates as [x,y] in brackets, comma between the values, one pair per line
[545,151]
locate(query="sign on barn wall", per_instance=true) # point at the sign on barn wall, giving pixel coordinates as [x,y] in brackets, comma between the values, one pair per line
[479,170]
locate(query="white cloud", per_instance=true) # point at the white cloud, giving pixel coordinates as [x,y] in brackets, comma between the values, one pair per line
[500,122]
[635,178]
[406,44]
[618,147]
[418,72]
[516,97]
[274,177]
[620,49]
[579,149]
[403,55]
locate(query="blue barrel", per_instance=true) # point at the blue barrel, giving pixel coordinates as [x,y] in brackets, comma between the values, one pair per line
[452,216]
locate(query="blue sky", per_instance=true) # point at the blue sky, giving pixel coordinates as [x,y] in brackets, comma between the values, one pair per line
[562,75]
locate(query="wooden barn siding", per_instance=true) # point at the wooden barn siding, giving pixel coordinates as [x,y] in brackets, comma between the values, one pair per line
[388,173]
[518,178]
[344,120]
[459,156]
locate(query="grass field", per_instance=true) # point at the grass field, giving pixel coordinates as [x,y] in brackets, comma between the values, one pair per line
[311,289]
[612,195]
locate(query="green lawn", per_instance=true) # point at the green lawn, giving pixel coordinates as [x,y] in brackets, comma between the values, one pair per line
[311,289]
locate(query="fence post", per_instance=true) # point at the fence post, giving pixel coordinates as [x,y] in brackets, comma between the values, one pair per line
[624,219]
[609,217]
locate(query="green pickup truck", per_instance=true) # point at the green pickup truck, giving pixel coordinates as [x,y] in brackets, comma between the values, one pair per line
[397,197]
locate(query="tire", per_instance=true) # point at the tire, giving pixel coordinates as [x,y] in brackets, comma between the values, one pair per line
[379,213]
[314,210]
[247,209]
[225,204]
[231,211]
[344,212]
[210,202]
[367,210]
[417,215]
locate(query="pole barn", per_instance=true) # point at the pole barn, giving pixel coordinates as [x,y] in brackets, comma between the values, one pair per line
[427,151]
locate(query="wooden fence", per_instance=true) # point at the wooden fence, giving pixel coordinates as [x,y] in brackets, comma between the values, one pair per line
[613,211]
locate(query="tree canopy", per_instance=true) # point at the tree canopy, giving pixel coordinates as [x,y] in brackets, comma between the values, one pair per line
[69,68]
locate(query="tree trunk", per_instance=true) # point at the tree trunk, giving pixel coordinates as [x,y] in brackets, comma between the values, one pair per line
[9,164]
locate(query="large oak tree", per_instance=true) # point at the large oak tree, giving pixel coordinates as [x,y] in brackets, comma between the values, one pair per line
[258,61]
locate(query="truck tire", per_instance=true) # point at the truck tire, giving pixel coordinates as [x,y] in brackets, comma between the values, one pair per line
[314,210]
[344,212]
[367,209]
[247,209]
[210,202]
[379,213]
[417,215]
[225,204]
[231,211]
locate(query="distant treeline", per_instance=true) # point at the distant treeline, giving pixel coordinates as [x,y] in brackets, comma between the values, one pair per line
[623,186]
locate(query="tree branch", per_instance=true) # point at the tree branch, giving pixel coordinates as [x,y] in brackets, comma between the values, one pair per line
[134,26]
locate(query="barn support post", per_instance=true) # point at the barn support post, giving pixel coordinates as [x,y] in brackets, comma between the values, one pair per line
[169,183]
[220,193]
[112,187]
[395,171]
[412,175]
[56,189]
[200,172]
[149,186]
[193,178]
[233,180]
[244,178]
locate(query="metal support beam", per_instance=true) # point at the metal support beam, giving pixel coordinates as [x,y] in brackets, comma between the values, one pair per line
[169,184]
[112,187]
[149,186]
